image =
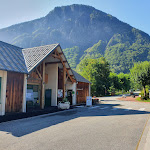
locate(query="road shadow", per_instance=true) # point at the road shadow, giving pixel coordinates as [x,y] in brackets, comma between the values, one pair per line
[19,128]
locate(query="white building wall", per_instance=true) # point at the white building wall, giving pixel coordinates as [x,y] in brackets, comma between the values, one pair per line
[3,75]
[74,95]
[52,71]
[89,89]
[70,86]
[24,93]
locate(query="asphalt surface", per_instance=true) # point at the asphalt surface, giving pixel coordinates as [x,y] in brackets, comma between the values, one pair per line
[112,125]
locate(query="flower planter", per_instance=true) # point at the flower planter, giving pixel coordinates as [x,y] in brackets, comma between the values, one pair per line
[65,105]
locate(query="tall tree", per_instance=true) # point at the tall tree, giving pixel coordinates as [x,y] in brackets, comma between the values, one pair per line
[97,71]
[124,80]
[114,83]
[140,74]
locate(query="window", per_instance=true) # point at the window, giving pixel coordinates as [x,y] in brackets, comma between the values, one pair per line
[32,93]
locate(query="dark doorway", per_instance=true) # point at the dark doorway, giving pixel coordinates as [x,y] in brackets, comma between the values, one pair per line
[48,94]
[69,96]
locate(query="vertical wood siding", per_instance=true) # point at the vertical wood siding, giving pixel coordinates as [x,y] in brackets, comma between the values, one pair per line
[34,78]
[82,92]
[14,92]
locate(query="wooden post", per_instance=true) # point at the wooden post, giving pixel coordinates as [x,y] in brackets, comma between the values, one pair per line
[43,87]
[64,80]
[63,62]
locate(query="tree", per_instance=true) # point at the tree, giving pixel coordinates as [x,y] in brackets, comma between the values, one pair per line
[97,71]
[119,82]
[140,74]
[114,81]
[124,80]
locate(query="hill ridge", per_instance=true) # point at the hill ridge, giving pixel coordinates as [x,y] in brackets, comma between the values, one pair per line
[78,28]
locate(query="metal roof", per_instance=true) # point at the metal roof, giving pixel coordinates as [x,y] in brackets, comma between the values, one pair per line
[11,58]
[79,78]
[33,56]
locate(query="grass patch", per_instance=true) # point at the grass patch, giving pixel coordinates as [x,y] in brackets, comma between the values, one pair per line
[120,93]
[139,99]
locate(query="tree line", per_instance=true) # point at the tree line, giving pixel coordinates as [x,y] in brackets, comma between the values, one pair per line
[106,82]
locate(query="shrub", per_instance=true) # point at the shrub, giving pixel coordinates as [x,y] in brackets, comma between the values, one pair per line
[65,100]
[142,94]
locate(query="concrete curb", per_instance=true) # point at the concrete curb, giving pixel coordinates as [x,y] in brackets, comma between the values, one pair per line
[144,141]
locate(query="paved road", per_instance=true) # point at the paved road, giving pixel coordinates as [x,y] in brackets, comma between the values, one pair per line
[112,125]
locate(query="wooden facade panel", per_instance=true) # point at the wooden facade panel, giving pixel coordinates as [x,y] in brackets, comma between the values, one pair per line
[34,78]
[46,78]
[82,92]
[14,92]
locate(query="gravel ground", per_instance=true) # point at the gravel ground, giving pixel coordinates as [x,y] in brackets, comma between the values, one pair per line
[129,98]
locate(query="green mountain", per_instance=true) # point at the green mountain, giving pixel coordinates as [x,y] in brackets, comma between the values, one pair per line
[122,50]
[83,31]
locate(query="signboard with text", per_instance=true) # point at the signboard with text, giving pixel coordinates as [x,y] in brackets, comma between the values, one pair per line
[88,101]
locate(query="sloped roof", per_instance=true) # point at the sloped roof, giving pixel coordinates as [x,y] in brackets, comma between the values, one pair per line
[11,58]
[33,56]
[79,78]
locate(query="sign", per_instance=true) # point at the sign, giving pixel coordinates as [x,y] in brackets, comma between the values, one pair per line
[60,93]
[29,95]
[35,94]
[88,101]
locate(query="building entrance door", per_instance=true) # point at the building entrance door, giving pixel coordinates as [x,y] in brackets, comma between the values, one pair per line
[69,96]
[48,94]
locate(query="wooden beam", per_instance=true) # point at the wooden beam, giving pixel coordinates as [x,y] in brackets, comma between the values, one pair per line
[39,74]
[68,68]
[61,53]
[53,62]
[64,81]
[31,83]
[65,67]
[72,80]
[60,57]
[56,56]
[43,87]
[32,78]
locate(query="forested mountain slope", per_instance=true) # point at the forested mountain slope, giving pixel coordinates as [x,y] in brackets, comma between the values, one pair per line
[83,31]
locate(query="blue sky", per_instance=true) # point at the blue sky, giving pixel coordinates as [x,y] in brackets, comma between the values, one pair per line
[134,12]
